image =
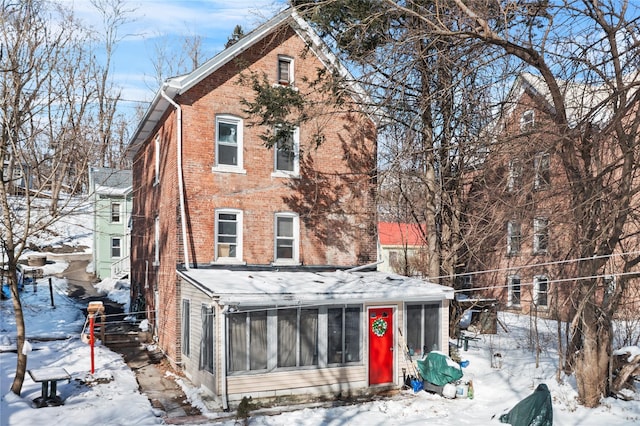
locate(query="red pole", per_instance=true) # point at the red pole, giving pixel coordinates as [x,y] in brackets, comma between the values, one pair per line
[92,339]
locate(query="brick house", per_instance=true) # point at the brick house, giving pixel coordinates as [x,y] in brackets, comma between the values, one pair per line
[526,210]
[251,261]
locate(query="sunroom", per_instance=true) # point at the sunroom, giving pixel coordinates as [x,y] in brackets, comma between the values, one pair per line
[274,335]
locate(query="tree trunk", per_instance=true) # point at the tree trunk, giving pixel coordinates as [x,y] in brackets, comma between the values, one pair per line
[592,362]
[21,365]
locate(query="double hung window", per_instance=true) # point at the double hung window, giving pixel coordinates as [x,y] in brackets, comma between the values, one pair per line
[540,235]
[541,291]
[513,237]
[514,290]
[229,144]
[287,230]
[228,236]
[116,247]
[287,152]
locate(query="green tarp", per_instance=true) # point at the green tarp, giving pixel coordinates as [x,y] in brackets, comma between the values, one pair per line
[439,369]
[534,410]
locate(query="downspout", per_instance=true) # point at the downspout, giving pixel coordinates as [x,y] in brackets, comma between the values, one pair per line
[183,219]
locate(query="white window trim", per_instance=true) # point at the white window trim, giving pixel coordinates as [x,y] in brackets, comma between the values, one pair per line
[296,239]
[227,168]
[537,231]
[527,119]
[510,280]
[156,178]
[237,260]
[515,175]
[296,161]
[511,225]
[113,203]
[119,246]
[536,289]
[291,80]
[537,162]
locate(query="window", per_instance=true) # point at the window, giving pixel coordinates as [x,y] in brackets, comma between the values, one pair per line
[115,212]
[513,237]
[514,290]
[297,337]
[423,328]
[540,235]
[527,121]
[206,339]
[542,171]
[156,241]
[116,249]
[228,143]
[228,236]
[186,326]
[248,341]
[514,181]
[540,291]
[287,152]
[287,238]
[343,327]
[285,70]
[156,179]
[269,339]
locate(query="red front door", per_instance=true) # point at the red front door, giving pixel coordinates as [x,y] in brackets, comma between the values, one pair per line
[380,345]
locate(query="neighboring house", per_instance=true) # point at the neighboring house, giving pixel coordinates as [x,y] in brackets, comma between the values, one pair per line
[402,248]
[526,227]
[21,177]
[241,253]
[112,200]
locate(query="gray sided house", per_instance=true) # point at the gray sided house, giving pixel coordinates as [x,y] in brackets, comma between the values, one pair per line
[112,196]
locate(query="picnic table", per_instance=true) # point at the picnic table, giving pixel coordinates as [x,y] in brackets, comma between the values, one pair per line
[49,377]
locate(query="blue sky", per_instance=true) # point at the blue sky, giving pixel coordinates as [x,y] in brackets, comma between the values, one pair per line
[168,22]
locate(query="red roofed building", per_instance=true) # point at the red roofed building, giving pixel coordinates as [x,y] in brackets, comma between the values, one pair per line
[402,248]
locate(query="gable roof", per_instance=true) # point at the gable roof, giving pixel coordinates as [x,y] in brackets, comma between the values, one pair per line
[178,85]
[400,234]
[103,180]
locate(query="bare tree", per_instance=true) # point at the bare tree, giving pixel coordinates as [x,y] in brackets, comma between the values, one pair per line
[44,96]
[592,43]
[115,14]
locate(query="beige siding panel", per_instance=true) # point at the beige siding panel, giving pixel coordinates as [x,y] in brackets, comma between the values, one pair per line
[295,379]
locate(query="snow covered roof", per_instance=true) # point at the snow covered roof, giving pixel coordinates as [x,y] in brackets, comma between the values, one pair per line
[109,181]
[261,288]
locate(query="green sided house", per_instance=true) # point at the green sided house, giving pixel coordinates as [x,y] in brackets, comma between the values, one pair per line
[112,200]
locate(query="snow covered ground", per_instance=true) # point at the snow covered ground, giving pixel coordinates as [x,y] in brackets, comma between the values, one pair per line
[111,396]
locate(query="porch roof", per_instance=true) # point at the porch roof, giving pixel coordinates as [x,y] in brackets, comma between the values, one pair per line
[261,288]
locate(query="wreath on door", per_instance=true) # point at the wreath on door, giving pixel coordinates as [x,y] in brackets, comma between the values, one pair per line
[379,327]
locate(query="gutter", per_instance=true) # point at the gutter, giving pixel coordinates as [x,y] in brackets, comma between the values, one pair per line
[183,219]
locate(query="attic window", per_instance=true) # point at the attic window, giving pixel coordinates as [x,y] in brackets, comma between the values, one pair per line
[285,70]
[527,120]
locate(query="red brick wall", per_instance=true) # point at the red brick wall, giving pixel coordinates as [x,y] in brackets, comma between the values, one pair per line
[334,195]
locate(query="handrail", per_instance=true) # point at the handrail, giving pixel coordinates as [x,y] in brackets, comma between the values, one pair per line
[120,266]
